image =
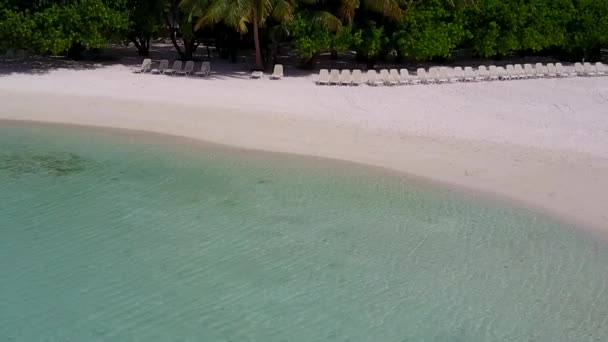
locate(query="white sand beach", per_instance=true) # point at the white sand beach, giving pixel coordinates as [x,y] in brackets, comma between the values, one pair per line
[543,143]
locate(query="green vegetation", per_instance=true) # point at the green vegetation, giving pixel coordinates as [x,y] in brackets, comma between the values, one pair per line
[414,29]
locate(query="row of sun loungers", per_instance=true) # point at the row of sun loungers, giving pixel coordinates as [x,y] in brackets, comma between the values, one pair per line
[188,69]
[458,74]
[176,68]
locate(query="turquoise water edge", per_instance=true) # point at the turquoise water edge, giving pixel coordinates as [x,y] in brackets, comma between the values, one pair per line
[109,237]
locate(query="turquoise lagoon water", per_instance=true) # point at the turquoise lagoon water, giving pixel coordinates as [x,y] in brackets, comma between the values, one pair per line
[109,237]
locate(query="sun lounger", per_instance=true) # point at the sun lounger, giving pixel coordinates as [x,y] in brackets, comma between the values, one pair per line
[177,66]
[442,75]
[433,75]
[145,66]
[357,77]
[452,78]
[493,73]
[469,74]
[257,74]
[188,69]
[510,72]
[408,78]
[562,72]
[529,71]
[540,69]
[277,73]
[404,77]
[334,76]
[372,78]
[579,69]
[323,77]
[205,70]
[552,70]
[421,75]
[602,69]
[502,73]
[482,73]
[459,74]
[393,77]
[345,78]
[590,69]
[519,71]
[164,65]
[384,77]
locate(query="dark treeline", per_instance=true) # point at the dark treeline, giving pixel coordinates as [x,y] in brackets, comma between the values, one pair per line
[410,29]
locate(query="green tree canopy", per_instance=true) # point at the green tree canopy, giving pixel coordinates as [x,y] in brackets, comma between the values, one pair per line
[57,26]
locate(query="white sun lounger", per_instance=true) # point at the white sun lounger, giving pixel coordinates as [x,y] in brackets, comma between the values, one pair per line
[393,77]
[205,70]
[482,73]
[345,78]
[492,73]
[502,73]
[453,78]
[277,73]
[372,78]
[442,75]
[323,77]
[580,69]
[552,70]
[257,74]
[562,72]
[334,76]
[510,72]
[164,65]
[357,77]
[384,76]
[177,66]
[602,69]
[540,69]
[590,69]
[422,76]
[459,74]
[469,74]
[188,69]
[519,71]
[146,65]
[529,71]
[404,77]
[433,75]
[413,79]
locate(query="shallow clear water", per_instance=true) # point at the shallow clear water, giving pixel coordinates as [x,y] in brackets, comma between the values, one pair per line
[106,237]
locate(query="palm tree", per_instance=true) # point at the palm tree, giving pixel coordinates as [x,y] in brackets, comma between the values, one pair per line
[240,13]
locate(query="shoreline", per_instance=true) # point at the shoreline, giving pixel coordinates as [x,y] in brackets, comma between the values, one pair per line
[423,159]
[541,144]
[314,161]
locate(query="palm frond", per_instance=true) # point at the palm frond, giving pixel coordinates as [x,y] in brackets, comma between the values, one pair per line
[282,11]
[389,8]
[326,21]
[347,10]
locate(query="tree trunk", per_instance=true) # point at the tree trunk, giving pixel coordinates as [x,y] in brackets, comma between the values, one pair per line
[176,45]
[188,51]
[190,46]
[142,45]
[256,39]
[173,34]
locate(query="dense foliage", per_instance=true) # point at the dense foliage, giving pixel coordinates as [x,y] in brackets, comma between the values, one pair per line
[413,29]
[58,26]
